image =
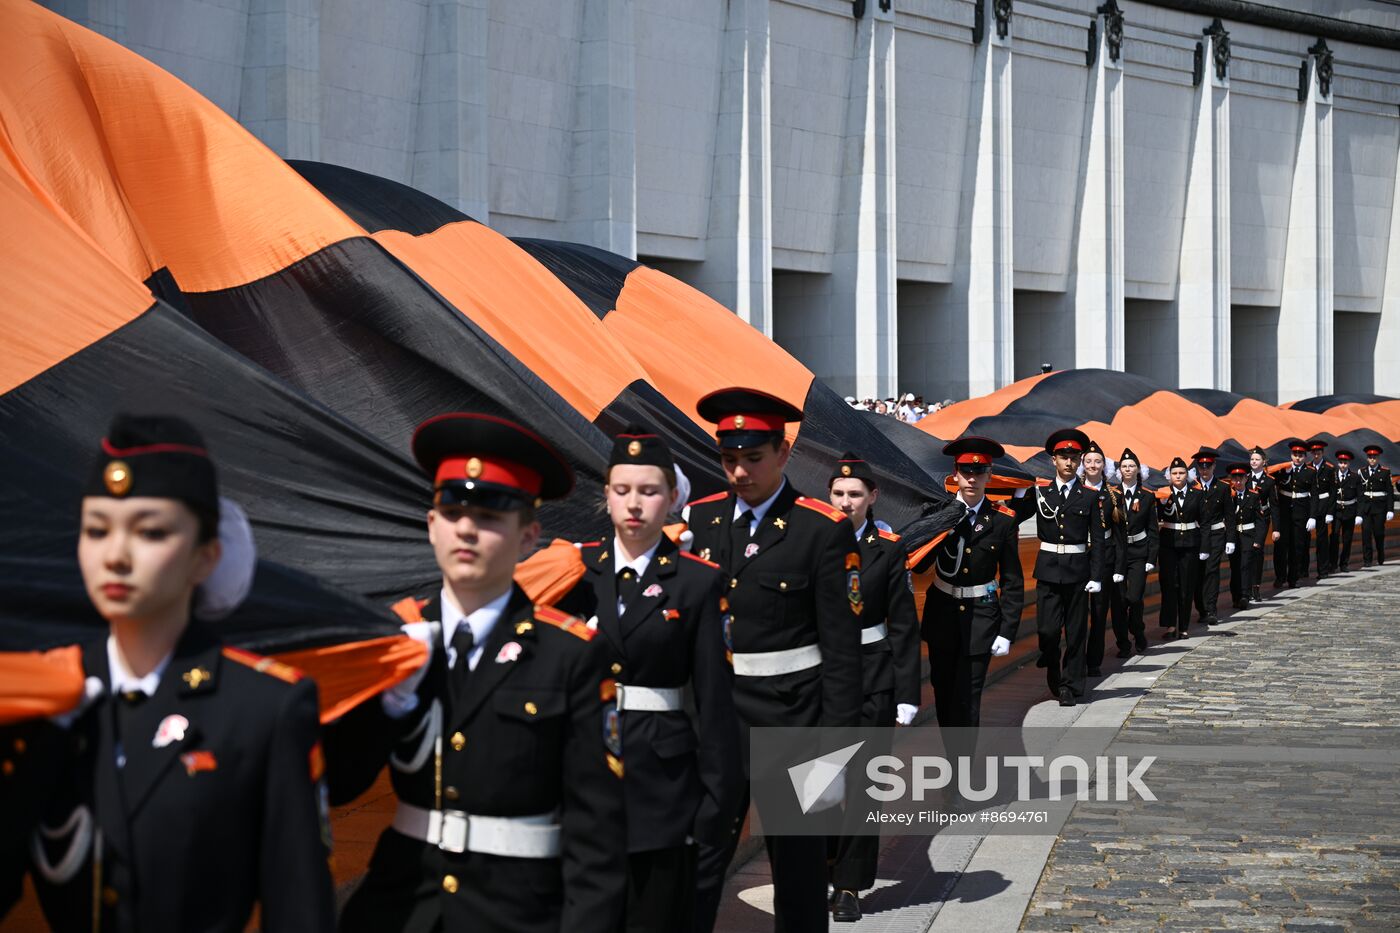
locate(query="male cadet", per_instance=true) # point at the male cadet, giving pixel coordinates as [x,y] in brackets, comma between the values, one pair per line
[1069,565]
[1140,552]
[1115,557]
[1348,514]
[794,629]
[1324,509]
[973,608]
[1376,493]
[1294,520]
[1179,547]
[1216,506]
[1248,522]
[510,801]
[1262,484]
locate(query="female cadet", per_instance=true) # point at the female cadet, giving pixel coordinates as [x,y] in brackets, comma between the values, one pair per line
[661,612]
[1140,551]
[1092,466]
[195,787]
[889,652]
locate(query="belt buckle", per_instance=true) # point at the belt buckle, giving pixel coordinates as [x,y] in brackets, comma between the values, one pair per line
[621,693]
[454,832]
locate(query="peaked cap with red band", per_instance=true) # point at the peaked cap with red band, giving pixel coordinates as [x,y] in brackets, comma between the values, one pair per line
[155,456]
[973,451]
[1072,440]
[1238,469]
[852,467]
[1373,451]
[1206,455]
[1297,444]
[1344,454]
[1317,444]
[478,459]
[746,417]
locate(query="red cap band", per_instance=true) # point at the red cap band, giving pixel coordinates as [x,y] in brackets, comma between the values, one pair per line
[499,472]
[1302,447]
[1070,444]
[1205,459]
[1344,456]
[974,458]
[112,451]
[1239,471]
[746,422]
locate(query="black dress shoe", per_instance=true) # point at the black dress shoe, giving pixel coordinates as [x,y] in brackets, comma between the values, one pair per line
[1142,644]
[845,907]
[1066,696]
[1095,672]
[1254,596]
[1041,661]
[1124,651]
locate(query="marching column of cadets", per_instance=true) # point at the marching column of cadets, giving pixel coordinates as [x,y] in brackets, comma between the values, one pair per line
[582,766]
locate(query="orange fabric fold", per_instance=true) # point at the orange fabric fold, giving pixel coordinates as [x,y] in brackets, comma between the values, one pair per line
[918,555]
[550,572]
[350,673]
[39,683]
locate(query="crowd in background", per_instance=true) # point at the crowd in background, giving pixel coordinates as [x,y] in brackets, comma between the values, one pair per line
[907,407]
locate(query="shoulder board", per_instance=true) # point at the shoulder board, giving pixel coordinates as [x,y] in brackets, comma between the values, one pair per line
[821,508]
[590,544]
[1004,510]
[888,535]
[409,609]
[264,665]
[715,498]
[564,622]
[700,560]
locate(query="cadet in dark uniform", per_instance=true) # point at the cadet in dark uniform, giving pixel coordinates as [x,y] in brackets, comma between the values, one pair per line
[1377,493]
[1140,553]
[1179,547]
[1324,510]
[796,612]
[1263,485]
[659,611]
[973,608]
[1249,524]
[1216,506]
[1348,508]
[506,763]
[889,658]
[1069,566]
[1115,555]
[193,793]
[1294,521]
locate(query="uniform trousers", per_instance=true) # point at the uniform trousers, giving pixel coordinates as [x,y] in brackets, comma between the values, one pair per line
[1207,592]
[854,857]
[661,890]
[1128,623]
[1063,606]
[1373,535]
[1177,578]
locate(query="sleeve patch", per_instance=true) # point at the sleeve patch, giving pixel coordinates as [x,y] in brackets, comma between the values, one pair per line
[564,622]
[264,665]
[821,508]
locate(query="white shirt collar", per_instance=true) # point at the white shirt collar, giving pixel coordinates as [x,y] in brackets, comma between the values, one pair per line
[1061,486]
[124,681]
[760,510]
[638,564]
[1129,490]
[861,530]
[481,623]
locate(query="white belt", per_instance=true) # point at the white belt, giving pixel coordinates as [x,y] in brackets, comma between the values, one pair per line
[1249,527]
[1063,548]
[1346,502]
[772,663]
[1218,526]
[455,831]
[1140,536]
[649,699]
[1324,495]
[874,633]
[1294,495]
[1376,495]
[965,592]
[1180,526]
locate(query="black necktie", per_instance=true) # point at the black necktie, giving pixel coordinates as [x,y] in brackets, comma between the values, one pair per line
[131,700]
[740,531]
[463,641]
[627,582]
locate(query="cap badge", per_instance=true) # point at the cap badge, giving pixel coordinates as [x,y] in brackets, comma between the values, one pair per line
[117,476]
[171,729]
[634,448]
[739,422]
[473,468]
[845,469]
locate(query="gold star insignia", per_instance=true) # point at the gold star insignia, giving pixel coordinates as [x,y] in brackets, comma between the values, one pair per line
[716,520]
[196,676]
[522,627]
[602,557]
[870,540]
[663,561]
[780,523]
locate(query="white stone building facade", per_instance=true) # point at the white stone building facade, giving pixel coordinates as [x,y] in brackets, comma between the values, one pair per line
[925,195]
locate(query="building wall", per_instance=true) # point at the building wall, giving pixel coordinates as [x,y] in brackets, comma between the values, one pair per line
[904,202]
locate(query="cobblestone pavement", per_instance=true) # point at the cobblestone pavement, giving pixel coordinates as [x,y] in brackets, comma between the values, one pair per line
[1260,845]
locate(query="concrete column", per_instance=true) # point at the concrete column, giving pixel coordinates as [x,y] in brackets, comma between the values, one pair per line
[451,151]
[1305,312]
[1387,359]
[1097,283]
[1203,292]
[973,317]
[603,176]
[863,356]
[738,267]
[280,97]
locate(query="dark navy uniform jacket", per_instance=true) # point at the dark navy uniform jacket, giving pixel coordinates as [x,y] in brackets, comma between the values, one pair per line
[972,554]
[892,663]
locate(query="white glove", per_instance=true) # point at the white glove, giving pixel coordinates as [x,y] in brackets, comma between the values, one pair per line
[1118,578]
[1148,568]
[1389,516]
[1093,586]
[1275,536]
[904,713]
[1019,493]
[1312,523]
[1358,521]
[1203,556]
[402,698]
[1000,646]
[1229,548]
[1329,519]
